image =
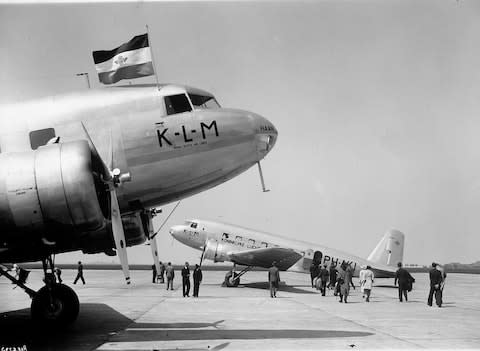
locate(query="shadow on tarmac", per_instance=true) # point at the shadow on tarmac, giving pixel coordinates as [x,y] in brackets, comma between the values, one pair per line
[99,323]
[283,287]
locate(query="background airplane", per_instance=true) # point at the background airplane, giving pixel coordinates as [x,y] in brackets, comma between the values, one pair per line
[85,171]
[247,247]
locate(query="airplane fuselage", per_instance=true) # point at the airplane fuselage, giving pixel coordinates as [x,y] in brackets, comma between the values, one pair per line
[231,239]
[165,144]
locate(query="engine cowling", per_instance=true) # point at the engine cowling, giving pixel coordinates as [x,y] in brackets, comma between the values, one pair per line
[49,189]
[215,251]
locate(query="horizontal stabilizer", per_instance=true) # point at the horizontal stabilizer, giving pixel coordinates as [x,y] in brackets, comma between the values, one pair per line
[285,258]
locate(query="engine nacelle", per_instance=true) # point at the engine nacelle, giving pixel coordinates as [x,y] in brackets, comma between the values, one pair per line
[50,189]
[215,251]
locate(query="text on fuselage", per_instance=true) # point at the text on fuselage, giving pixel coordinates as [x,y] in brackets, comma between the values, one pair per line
[166,136]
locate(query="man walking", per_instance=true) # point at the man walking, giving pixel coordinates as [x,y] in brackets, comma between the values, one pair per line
[197,279]
[333,276]
[368,278]
[186,280]
[436,279]
[323,276]
[405,281]
[273,279]
[79,273]
[313,273]
[347,281]
[170,273]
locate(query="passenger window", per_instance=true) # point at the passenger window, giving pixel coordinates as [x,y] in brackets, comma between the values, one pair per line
[41,137]
[193,225]
[177,104]
[264,244]
[225,236]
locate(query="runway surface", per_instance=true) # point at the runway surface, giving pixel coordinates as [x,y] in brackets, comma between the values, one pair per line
[145,316]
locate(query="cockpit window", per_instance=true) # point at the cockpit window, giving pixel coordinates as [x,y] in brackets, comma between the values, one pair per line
[177,104]
[202,101]
[193,225]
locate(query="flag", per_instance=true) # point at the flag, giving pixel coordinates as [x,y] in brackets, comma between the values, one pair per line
[130,60]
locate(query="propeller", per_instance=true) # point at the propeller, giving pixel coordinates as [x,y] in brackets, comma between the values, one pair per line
[112,179]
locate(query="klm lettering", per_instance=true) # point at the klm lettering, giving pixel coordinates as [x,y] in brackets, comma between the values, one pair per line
[165,136]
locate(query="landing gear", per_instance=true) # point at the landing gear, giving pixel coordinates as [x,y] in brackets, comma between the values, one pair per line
[54,303]
[232,279]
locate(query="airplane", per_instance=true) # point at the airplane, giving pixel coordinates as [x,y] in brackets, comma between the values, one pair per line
[87,170]
[222,242]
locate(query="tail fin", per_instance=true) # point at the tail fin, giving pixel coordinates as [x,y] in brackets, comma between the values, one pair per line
[389,251]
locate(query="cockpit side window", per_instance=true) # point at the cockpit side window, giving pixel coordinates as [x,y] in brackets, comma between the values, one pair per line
[177,104]
[203,101]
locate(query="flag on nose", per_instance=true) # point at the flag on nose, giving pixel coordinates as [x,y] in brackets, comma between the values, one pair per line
[130,60]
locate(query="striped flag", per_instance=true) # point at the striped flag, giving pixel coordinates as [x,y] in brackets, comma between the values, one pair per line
[128,61]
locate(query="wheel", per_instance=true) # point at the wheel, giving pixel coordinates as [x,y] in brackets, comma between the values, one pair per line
[230,282]
[60,306]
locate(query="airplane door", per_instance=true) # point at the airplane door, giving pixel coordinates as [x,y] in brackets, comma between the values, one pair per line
[317,257]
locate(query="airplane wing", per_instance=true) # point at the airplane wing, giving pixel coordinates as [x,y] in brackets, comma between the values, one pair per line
[285,258]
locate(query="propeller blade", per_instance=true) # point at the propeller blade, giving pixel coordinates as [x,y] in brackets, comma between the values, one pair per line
[106,170]
[154,248]
[119,234]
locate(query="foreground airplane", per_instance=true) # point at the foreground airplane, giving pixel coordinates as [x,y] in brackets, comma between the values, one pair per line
[247,247]
[85,171]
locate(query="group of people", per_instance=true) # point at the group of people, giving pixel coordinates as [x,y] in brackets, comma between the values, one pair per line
[169,273]
[340,280]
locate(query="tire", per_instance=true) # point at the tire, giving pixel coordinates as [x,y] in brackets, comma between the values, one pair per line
[63,309]
[229,282]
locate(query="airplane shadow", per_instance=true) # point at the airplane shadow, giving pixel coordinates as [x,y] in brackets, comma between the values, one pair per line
[99,323]
[283,287]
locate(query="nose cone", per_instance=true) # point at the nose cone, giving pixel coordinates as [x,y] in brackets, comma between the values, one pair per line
[266,134]
[176,231]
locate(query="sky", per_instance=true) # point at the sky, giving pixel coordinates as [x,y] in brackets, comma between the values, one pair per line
[376,104]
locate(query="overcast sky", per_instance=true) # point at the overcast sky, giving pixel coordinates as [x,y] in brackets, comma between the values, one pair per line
[376,103]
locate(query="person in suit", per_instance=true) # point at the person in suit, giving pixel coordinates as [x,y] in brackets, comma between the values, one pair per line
[197,279]
[186,280]
[273,279]
[162,273]
[79,273]
[405,281]
[436,280]
[170,274]
[154,274]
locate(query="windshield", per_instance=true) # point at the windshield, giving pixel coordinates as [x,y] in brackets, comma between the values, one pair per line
[203,101]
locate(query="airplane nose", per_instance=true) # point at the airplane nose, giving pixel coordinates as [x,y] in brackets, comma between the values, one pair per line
[266,134]
[175,231]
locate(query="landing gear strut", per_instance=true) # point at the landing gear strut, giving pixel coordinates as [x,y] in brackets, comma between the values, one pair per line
[54,303]
[232,279]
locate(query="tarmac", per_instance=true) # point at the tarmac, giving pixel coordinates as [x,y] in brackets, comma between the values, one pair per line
[145,316]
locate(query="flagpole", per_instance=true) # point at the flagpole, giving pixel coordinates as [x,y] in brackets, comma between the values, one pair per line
[153,60]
